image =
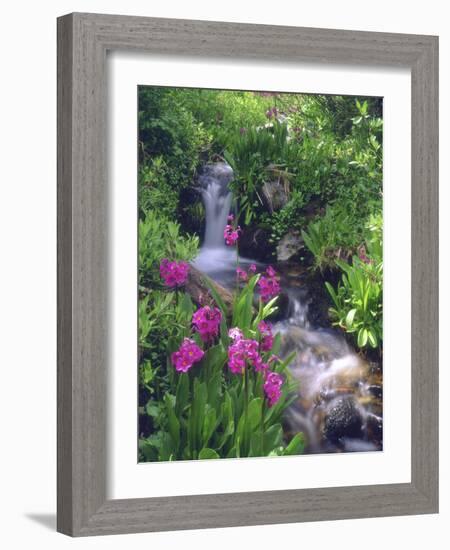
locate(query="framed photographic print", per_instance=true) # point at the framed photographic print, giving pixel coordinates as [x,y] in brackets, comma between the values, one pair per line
[247,274]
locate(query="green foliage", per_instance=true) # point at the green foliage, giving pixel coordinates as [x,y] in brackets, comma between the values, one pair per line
[209,412]
[160,238]
[224,112]
[171,142]
[358,299]
[162,315]
[335,235]
[291,216]
[251,154]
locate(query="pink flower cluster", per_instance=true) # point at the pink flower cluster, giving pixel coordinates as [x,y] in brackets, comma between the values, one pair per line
[362,254]
[173,273]
[230,233]
[206,321]
[268,284]
[188,354]
[244,275]
[272,387]
[267,337]
[243,350]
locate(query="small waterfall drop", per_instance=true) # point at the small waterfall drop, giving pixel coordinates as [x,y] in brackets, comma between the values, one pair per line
[215,258]
[217,197]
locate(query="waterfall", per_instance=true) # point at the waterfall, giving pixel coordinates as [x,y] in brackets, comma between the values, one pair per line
[215,258]
[217,197]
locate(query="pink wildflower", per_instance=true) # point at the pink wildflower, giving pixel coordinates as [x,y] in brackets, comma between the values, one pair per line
[242,351]
[269,286]
[272,387]
[231,235]
[173,273]
[235,333]
[206,321]
[230,217]
[267,337]
[363,255]
[188,354]
[242,275]
[252,268]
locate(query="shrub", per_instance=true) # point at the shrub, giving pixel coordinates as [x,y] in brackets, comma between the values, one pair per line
[335,235]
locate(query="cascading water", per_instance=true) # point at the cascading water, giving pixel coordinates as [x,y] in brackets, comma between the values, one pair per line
[217,197]
[215,258]
[339,403]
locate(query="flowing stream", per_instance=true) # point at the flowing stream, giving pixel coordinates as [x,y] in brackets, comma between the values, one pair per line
[339,405]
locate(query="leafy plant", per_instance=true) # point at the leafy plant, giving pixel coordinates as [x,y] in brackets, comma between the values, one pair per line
[161,238]
[210,412]
[358,299]
[334,236]
[250,154]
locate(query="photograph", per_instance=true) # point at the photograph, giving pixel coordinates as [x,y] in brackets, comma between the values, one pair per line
[260,274]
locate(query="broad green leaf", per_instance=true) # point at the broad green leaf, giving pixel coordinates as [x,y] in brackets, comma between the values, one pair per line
[273,437]
[174,424]
[350,316]
[296,445]
[207,454]
[182,394]
[372,338]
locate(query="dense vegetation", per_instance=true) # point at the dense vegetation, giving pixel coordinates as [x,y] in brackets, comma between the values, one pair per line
[305,166]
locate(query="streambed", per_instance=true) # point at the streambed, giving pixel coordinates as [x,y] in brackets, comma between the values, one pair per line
[339,404]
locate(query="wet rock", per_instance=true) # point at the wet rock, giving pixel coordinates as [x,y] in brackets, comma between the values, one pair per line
[198,285]
[343,419]
[254,243]
[289,246]
[374,426]
[376,390]
[275,195]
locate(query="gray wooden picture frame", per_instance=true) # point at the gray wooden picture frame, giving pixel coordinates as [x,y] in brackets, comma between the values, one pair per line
[83,41]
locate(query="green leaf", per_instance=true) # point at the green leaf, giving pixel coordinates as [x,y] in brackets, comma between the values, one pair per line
[254,413]
[273,437]
[174,424]
[350,316]
[220,303]
[207,454]
[373,341]
[296,445]
[182,394]
[209,424]
[153,409]
[362,337]
[332,293]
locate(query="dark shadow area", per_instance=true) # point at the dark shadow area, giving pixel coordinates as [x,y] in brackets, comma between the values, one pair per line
[46,520]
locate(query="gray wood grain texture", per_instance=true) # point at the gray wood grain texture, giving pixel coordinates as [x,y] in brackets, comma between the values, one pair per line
[83,40]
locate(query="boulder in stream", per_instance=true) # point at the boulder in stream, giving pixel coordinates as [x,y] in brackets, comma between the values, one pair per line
[198,289]
[275,195]
[343,419]
[289,246]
